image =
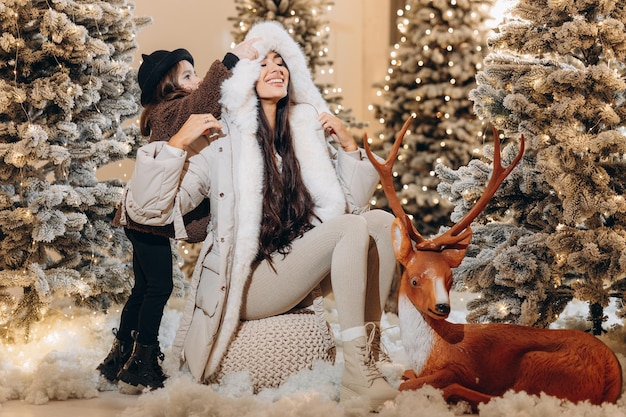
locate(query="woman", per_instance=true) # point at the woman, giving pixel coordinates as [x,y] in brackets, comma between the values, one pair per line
[289,211]
[170,92]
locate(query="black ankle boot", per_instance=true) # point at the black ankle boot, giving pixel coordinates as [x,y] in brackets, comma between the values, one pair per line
[143,368]
[115,360]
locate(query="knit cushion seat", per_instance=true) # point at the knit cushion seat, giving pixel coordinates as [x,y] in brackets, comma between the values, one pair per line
[273,348]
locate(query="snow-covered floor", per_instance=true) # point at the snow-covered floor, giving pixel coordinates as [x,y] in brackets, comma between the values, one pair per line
[106,404]
[54,376]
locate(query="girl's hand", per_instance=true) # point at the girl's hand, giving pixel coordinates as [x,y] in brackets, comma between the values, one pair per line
[246,49]
[336,128]
[195,126]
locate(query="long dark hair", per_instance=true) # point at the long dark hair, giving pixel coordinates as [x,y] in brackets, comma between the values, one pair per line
[287,203]
[167,89]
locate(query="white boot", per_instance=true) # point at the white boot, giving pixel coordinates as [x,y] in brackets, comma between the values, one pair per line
[361,377]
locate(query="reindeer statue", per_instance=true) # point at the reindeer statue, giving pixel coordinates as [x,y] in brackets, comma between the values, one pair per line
[475,362]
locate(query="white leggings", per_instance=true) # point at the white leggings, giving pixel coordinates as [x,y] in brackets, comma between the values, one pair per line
[353,252]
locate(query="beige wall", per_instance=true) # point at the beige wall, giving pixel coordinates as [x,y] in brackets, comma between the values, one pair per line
[358,45]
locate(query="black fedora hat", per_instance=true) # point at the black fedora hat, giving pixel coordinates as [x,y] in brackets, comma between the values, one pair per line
[155,66]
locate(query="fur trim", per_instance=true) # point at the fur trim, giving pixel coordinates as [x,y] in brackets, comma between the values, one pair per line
[318,172]
[247,163]
[238,91]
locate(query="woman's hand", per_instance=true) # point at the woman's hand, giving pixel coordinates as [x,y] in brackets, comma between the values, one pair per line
[334,126]
[246,49]
[195,126]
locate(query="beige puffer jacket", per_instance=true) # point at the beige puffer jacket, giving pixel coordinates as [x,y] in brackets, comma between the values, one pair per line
[229,171]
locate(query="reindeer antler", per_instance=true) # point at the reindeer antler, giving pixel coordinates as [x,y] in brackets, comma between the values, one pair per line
[461,230]
[385,171]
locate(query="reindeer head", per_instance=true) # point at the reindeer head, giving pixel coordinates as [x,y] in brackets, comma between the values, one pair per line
[428,263]
[427,276]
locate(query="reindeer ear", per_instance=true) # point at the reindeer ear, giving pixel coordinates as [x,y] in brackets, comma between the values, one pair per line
[454,255]
[402,245]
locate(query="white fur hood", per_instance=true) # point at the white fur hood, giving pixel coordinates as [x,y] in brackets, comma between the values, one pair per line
[274,38]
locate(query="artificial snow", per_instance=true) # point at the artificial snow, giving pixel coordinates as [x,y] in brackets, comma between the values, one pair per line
[60,360]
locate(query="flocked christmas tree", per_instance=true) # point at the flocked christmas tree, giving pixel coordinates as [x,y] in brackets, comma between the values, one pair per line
[66,89]
[432,70]
[556,230]
[306,21]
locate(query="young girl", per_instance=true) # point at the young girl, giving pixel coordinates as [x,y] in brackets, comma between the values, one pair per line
[170,92]
[289,211]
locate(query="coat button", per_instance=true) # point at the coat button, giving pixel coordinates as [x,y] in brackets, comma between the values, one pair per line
[222,239]
[223,288]
[221,149]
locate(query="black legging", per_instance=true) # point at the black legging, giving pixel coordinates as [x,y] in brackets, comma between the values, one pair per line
[152,266]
